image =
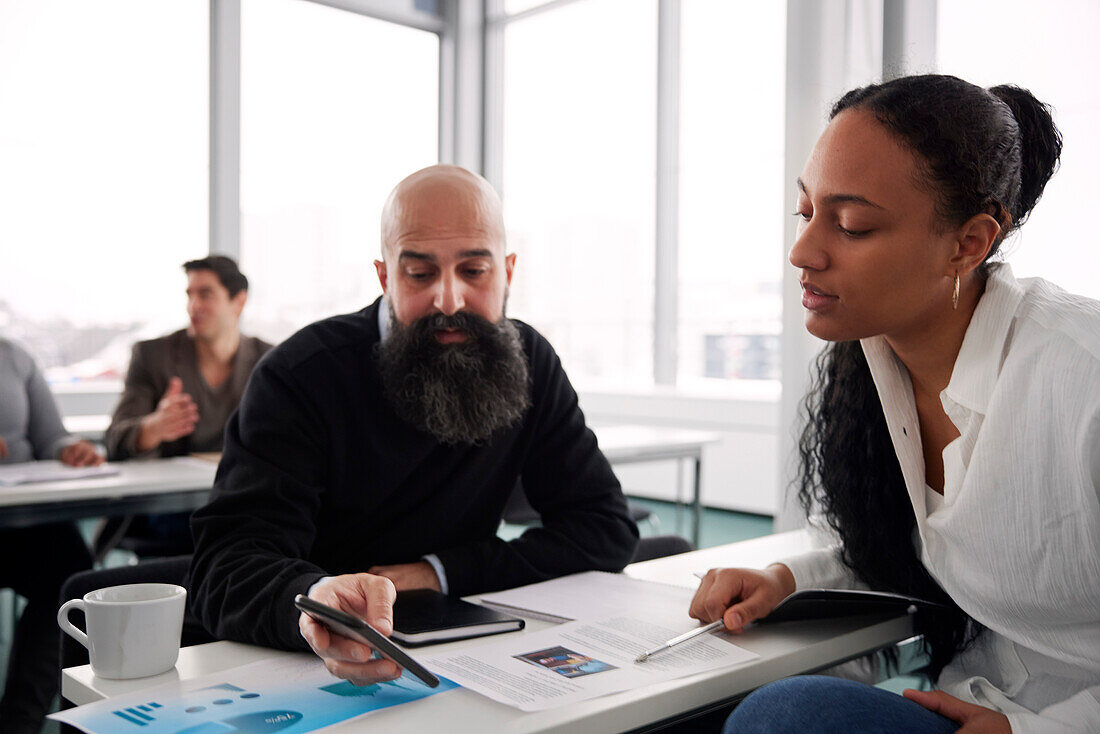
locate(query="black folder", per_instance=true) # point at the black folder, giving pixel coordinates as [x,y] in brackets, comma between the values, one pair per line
[826,603]
[425,616]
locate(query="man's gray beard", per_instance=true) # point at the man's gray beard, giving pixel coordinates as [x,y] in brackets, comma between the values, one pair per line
[459,393]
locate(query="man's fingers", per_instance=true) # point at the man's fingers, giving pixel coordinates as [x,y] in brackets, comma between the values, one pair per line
[362,674]
[180,420]
[346,658]
[178,403]
[315,633]
[344,649]
[178,429]
[175,387]
[362,595]
[181,428]
[332,646]
[380,594]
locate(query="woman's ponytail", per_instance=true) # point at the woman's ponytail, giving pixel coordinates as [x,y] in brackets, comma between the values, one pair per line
[1040,145]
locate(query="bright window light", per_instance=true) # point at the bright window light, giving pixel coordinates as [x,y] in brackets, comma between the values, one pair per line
[336,108]
[103,175]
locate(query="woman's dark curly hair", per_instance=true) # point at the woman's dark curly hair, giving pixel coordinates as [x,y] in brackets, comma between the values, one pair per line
[982,151]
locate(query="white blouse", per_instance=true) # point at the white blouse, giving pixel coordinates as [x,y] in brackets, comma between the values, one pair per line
[1015,540]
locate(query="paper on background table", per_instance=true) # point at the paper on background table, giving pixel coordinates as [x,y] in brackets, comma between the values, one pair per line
[264,696]
[578,661]
[50,471]
[597,595]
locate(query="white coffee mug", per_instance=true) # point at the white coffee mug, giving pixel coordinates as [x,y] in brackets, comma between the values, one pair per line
[133,630]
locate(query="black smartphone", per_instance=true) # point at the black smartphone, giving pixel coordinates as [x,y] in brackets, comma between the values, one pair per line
[356,629]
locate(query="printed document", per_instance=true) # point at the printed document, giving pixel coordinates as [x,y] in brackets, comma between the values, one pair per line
[49,471]
[295,693]
[595,595]
[585,659]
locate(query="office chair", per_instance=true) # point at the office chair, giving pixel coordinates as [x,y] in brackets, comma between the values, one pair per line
[659,546]
[131,533]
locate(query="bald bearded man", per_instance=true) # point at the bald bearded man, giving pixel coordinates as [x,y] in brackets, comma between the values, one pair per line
[375,451]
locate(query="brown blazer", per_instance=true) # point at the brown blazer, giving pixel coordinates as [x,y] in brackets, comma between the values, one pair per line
[152,365]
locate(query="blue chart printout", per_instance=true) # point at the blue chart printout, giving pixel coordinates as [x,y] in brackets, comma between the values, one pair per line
[291,695]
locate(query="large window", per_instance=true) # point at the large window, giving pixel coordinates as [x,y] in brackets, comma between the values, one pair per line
[103,175]
[579,116]
[731,190]
[579,151]
[1050,49]
[336,108]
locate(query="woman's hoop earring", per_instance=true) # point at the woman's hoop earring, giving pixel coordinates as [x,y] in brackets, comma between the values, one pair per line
[955,293]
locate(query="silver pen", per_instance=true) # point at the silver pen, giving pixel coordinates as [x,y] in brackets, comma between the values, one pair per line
[718,624]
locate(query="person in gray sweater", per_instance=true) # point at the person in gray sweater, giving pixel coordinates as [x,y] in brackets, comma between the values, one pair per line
[35,561]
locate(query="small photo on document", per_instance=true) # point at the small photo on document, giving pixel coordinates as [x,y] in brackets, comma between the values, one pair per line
[565,662]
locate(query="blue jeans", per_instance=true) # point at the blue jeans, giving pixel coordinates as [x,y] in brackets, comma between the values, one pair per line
[815,704]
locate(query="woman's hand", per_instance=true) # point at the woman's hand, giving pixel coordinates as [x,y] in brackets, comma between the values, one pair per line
[80,453]
[974,719]
[738,596]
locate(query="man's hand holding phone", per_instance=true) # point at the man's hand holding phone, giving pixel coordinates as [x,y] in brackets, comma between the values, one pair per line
[362,595]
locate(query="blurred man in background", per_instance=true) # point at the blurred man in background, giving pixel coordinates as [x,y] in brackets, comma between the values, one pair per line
[181,388]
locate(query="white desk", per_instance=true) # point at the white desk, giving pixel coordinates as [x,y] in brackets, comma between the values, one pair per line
[621,444]
[153,485]
[784,650]
[88,427]
[630,444]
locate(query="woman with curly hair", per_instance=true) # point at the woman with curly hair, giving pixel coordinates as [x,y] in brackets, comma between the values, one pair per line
[952,436]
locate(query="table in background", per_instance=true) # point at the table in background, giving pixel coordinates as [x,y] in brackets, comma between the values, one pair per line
[632,444]
[141,486]
[621,444]
[787,649]
[88,427]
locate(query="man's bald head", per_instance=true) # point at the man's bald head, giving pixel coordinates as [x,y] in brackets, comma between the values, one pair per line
[452,364]
[441,202]
[443,248]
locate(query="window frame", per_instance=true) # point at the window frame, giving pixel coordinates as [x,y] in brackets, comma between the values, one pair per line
[666,300]
[456,22]
[820,37]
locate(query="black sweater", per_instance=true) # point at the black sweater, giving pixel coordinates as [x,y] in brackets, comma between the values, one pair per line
[320,477]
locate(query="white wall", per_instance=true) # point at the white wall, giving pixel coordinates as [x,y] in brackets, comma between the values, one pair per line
[740,472]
